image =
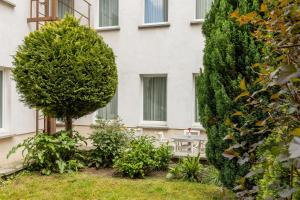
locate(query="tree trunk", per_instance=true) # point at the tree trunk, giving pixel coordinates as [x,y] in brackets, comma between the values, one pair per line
[68,124]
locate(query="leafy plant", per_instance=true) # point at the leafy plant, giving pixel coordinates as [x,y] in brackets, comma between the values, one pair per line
[65,70]
[58,153]
[188,169]
[210,175]
[141,158]
[276,172]
[163,156]
[109,138]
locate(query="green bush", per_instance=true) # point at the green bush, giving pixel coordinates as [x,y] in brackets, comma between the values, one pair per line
[65,70]
[141,158]
[188,169]
[48,154]
[109,138]
[163,156]
[210,175]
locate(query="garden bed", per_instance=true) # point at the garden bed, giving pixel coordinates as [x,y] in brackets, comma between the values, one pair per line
[99,184]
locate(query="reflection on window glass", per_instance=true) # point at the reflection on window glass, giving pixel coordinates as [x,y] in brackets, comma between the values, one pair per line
[156,11]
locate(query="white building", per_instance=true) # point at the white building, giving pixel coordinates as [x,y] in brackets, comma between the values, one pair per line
[158,46]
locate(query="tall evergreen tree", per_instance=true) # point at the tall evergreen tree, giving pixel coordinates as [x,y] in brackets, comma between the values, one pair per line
[229,53]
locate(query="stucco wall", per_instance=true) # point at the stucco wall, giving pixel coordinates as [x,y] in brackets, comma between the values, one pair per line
[176,51]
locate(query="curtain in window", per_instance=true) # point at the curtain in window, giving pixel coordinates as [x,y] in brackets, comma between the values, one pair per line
[156,11]
[64,7]
[1,99]
[202,7]
[108,13]
[155,98]
[110,111]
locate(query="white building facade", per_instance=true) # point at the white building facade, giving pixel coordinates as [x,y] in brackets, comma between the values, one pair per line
[159,49]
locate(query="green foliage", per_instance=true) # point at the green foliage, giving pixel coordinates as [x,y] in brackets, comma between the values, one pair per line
[109,139]
[48,154]
[229,54]
[65,69]
[210,175]
[141,158]
[275,173]
[163,156]
[188,169]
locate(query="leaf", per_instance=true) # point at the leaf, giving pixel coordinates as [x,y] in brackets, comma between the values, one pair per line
[235,14]
[287,192]
[243,94]
[263,7]
[294,148]
[296,132]
[228,122]
[230,154]
[260,123]
[229,137]
[275,96]
[243,84]
[237,113]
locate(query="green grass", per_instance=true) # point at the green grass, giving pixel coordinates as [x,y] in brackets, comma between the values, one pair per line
[83,186]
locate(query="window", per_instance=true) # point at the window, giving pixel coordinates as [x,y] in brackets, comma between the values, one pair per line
[196,118]
[1,99]
[156,11]
[110,111]
[202,7]
[64,7]
[155,98]
[108,13]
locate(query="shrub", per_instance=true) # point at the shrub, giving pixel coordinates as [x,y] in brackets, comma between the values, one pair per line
[210,175]
[141,158]
[48,154]
[65,70]
[188,169]
[109,138]
[163,156]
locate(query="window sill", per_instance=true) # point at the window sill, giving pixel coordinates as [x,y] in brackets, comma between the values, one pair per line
[8,3]
[154,25]
[4,135]
[197,22]
[107,28]
[153,125]
[197,126]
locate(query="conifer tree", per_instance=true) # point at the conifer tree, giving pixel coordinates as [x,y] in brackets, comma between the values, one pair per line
[229,53]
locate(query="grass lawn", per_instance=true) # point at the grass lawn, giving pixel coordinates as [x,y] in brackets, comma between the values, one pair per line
[83,186]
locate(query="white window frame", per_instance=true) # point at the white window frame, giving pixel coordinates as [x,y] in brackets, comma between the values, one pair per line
[4,129]
[146,123]
[195,123]
[154,24]
[95,114]
[196,21]
[105,28]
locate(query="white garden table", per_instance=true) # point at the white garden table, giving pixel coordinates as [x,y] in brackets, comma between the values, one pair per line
[190,139]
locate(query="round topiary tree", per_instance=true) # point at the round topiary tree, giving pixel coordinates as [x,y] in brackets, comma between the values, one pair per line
[65,70]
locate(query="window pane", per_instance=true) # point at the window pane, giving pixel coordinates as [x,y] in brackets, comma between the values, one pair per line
[110,111]
[1,99]
[108,13]
[155,98]
[64,7]
[202,7]
[156,11]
